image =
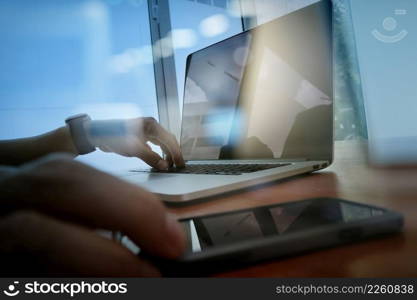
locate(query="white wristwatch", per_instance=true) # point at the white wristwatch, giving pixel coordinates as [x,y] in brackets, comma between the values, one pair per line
[78,127]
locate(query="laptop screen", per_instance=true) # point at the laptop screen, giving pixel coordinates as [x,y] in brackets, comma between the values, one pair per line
[264,93]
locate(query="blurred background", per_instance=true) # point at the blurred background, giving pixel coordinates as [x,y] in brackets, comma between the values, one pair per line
[126,58]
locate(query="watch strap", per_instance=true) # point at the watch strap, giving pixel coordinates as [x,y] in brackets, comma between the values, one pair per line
[77,127]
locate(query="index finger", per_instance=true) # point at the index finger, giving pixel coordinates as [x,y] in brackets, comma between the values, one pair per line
[156,134]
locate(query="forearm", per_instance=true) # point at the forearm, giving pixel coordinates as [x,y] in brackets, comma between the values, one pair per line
[16,152]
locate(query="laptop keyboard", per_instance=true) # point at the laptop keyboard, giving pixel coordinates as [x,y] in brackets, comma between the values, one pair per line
[217,169]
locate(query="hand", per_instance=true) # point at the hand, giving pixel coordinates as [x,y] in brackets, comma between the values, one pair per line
[49,210]
[132,141]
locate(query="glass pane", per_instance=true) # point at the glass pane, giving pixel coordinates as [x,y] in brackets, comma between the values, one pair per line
[198,24]
[63,57]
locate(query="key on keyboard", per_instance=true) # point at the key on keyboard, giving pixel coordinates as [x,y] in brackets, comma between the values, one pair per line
[217,169]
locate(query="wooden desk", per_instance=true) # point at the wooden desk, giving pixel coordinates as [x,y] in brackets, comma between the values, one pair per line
[349,178]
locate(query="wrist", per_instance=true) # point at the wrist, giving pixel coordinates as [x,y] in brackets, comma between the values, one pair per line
[58,140]
[64,138]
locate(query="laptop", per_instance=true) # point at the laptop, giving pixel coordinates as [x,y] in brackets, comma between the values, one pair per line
[257,107]
[386,42]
